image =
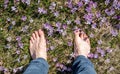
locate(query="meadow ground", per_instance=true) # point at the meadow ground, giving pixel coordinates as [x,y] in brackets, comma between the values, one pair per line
[100,19]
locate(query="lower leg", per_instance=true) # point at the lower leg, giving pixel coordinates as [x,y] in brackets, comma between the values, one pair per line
[81,50]
[38,53]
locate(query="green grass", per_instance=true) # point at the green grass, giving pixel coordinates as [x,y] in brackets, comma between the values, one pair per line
[8,56]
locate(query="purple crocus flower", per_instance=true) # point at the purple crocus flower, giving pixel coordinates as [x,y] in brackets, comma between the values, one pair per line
[40,10]
[5,70]
[60,31]
[64,68]
[114,32]
[13,8]
[51,8]
[25,28]
[64,33]
[90,55]
[99,49]
[52,47]
[116,17]
[99,42]
[58,25]
[94,25]
[107,2]
[56,14]
[8,19]
[73,10]
[86,1]
[69,43]
[23,1]
[80,4]
[31,20]
[20,44]
[64,26]
[55,59]
[6,3]
[26,1]
[8,46]
[18,38]
[116,4]
[107,60]
[15,70]
[110,11]
[117,26]
[102,52]
[108,50]
[17,51]
[61,65]
[49,28]
[98,14]
[95,55]
[13,22]
[88,9]
[1,68]
[23,18]
[9,39]
[94,4]
[88,17]
[103,19]
[57,64]
[44,11]
[111,68]
[69,22]
[77,21]
[70,5]
[91,35]
[53,4]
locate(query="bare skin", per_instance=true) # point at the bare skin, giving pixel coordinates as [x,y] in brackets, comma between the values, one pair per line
[38,44]
[81,44]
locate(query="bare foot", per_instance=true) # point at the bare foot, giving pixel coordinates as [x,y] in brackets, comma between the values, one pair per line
[81,44]
[38,45]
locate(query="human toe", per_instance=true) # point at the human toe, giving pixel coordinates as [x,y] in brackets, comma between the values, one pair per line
[76,33]
[33,35]
[36,34]
[81,35]
[41,33]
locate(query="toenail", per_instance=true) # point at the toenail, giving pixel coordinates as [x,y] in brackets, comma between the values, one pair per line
[82,32]
[76,31]
[85,38]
